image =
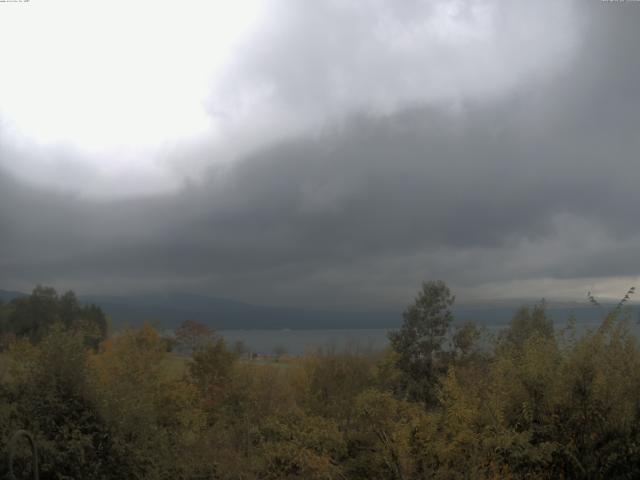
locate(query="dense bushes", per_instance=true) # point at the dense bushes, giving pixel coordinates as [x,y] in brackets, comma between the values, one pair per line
[532,403]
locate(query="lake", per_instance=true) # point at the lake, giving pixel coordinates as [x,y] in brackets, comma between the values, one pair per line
[297,342]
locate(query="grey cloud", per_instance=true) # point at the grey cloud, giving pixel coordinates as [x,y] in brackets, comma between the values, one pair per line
[539,183]
[380,55]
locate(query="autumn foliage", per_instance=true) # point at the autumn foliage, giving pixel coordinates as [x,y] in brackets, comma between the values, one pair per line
[447,403]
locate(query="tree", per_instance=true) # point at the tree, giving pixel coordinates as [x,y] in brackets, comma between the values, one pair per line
[297,446]
[527,323]
[33,316]
[153,418]
[191,333]
[240,349]
[465,339]
[211,370]
[335,379]
[52,398]
[380,445]
[468,345]
[6,335]
[419,341]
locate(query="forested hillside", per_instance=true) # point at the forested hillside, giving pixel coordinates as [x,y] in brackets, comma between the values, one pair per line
[442,402]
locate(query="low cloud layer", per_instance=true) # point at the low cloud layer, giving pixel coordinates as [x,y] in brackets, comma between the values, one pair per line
[527,185]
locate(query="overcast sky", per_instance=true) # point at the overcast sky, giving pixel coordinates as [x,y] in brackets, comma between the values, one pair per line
[333,153]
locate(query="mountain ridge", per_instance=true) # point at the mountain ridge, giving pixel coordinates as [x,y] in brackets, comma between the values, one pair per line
[168,310]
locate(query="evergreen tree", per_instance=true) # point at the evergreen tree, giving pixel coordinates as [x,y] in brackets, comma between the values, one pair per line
[419,342]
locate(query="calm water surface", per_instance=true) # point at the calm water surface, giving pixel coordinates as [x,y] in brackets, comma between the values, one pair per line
[300,341]
[297,342]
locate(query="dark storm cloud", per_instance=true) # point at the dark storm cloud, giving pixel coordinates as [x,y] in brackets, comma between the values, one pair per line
[542,182]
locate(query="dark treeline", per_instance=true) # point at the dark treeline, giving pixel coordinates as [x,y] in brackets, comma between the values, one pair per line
[441,402]
[32,317]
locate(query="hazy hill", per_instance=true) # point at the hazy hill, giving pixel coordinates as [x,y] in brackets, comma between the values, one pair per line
[169,310]
[7,295]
